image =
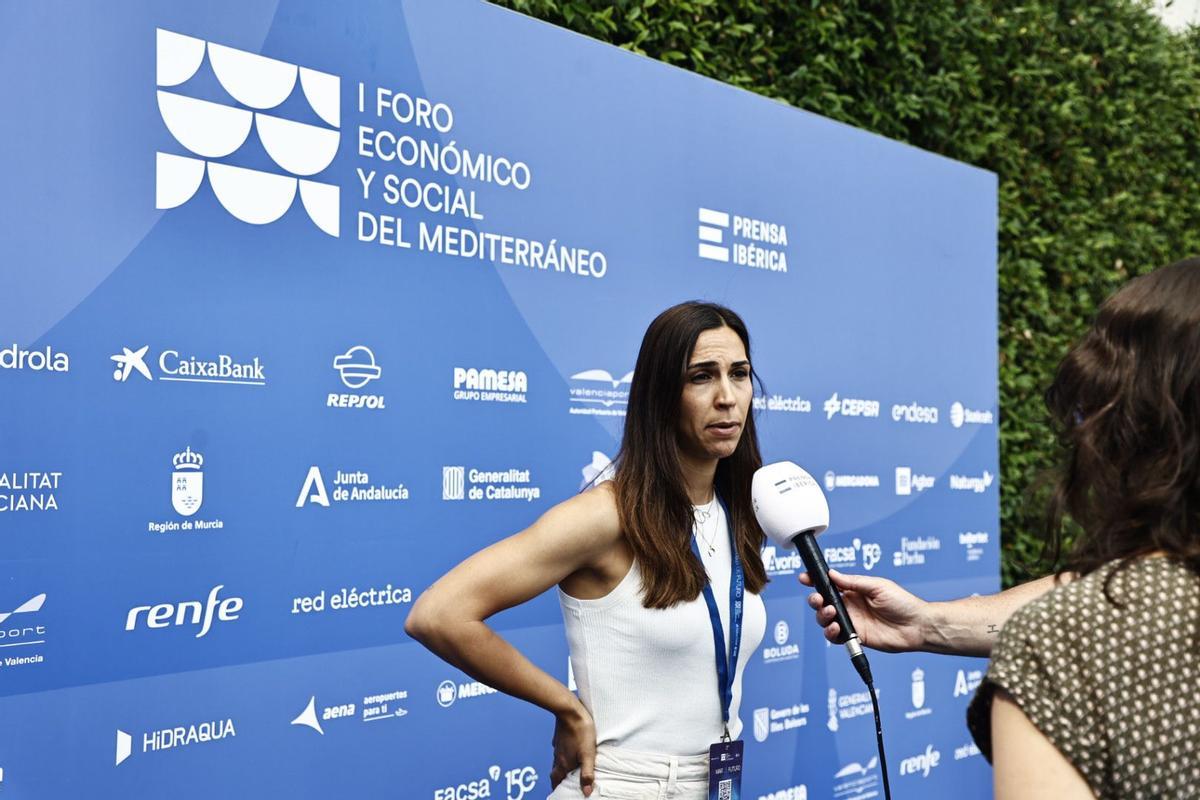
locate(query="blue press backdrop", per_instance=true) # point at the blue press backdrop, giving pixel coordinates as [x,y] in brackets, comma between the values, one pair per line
[253,646]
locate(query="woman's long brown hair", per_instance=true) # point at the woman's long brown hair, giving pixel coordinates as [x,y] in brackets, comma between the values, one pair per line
[655,510]
[1126,402]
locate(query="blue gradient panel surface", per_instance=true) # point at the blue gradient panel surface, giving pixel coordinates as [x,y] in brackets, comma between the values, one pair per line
[305,303]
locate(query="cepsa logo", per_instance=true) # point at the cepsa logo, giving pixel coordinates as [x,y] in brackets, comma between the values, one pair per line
[518,783]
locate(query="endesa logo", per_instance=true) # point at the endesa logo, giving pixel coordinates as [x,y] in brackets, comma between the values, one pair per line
[188,613]
[915,413]
[217,130]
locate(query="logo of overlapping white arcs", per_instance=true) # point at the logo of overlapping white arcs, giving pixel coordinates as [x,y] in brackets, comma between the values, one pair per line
[214,130]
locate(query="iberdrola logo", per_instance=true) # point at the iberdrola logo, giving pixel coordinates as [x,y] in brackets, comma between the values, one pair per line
[211,132]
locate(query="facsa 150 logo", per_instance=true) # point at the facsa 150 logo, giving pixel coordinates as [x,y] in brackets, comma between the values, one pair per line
[519,782]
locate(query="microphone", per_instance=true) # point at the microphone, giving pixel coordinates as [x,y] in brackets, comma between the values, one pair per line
[792,510]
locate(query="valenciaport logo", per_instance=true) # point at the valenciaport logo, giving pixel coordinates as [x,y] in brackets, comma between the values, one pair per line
[449,692]
[371,708]
[971,483]
[596,393]
[212,131]
[29,491]
[834,480]
[349,486]
[961,415]
[357,369]
[23,633]
[744,241]
[198,615]
[461,483]
[173,366]
[857,781]
[914,412]
[46,359]
[490,385]
[908,482]
[157,741]
[850,407]
[854,555]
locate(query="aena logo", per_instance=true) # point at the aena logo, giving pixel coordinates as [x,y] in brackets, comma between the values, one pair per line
[187,613]
[216,130]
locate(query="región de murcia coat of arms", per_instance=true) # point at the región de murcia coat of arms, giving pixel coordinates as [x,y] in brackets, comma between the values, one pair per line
[187,482]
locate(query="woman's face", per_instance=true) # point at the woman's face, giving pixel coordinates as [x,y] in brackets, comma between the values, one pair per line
[717,392]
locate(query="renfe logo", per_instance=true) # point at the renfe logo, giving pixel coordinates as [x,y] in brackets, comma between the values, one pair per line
[215,130]
[188,612]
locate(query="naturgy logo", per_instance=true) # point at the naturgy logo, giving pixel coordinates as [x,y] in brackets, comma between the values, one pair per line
[215,130]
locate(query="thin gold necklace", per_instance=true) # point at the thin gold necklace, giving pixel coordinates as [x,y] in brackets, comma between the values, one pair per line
[703,514]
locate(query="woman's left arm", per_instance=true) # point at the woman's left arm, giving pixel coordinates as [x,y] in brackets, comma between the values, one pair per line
[1026,765]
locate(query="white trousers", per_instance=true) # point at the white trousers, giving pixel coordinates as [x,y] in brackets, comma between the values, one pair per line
[629,775]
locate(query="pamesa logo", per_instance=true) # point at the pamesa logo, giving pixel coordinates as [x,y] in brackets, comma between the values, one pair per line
[216,130]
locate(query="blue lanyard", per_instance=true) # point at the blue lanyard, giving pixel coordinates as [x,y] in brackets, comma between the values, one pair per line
[737,591]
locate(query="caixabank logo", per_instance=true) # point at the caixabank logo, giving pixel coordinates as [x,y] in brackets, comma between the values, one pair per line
[215,131]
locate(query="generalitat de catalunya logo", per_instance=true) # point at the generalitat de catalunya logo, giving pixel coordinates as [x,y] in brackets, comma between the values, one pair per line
[217,130]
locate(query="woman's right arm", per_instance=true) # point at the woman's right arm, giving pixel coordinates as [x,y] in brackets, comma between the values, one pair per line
[448,617]
[888,618]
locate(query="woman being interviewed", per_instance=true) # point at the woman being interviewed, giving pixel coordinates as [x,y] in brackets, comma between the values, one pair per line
[653,570]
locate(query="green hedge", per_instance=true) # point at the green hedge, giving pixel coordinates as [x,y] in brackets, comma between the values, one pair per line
[1088,111]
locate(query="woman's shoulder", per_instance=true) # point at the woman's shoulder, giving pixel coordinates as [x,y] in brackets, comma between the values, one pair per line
[1083,608]
[592,513]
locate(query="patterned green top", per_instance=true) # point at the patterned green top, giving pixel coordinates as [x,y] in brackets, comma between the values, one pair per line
[1115,689]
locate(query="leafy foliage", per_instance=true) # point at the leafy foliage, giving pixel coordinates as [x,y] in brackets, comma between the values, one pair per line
[1088,112]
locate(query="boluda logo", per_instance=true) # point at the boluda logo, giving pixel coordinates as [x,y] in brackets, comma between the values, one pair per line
[46,360]
[188,612]
[216,130]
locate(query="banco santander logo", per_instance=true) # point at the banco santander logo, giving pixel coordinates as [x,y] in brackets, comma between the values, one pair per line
[213,131]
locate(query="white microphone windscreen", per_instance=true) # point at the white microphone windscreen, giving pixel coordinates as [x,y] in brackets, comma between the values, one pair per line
[788,501]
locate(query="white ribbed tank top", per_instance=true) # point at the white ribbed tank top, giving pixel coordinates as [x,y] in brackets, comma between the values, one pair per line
[649,676]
